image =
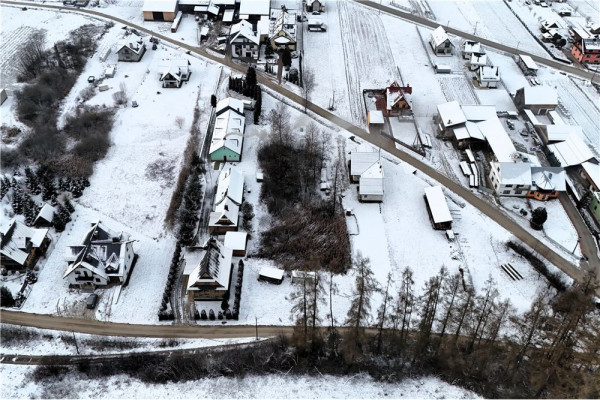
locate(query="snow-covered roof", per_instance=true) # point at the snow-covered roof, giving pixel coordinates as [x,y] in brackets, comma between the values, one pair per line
[540,95]
[160,5]
[282,40]
[229,122]
[451,114]
[591,44]
[561,132]
[214,267]
[394,94]
[437,204]
[243,29]
[360,161]
[46,213]
[230,102]
[263,25]
[230,141]
[197,3]
[236,240]
[471,47]
[375,117]
[270,272]
[572,151]
[479,112]
[528,61]
[133,45]
[226,213]
[489,74]
[498,139]
[515,173]
[176,68]
[371,181]
[478,59]
[593,171]
[255,7]
[15,238]
[230,185]
[228,15]
[213,9]
[470,130]
[438,36]
[549,178]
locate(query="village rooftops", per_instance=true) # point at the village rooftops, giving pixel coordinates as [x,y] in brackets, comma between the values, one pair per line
[549,178]
[230,185]
[561,132]
[572,151]
[515,173]
[160,5]
[451,114]
[437,204]
[15,239]
[470,47]
[243,29]
[528,61]
[498,139]
[360,161]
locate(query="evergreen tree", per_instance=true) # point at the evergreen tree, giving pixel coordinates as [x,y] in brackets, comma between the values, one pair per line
[286,57]
[30,211]
[6,297]
[58,222]
[30,179]
[17,201]
[258,105]
[538,217]
[4,187]
[48,188]
[76,189]
[69,205]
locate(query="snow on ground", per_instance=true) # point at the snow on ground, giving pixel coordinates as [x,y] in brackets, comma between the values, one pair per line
[18,384]
[587,8]
[50,342]
[121,194]
[16,26]
[491,20]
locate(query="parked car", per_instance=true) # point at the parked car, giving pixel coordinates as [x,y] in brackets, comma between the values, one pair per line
[92,301]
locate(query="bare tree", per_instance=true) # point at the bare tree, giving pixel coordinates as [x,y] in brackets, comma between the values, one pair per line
[404,305]
[383,312]
[179,121]
[308,85]
[32,56]
[120,97]
[484,306]
[280,124]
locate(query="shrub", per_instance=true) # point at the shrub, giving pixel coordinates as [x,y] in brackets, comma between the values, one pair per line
[211,314]
[6,297]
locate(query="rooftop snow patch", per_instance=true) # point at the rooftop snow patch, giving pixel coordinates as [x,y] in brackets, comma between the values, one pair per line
[540,95]
[572,151]
[255,7]
[437,204]
[159,5]
[451,113]
[498,139]
[515,173]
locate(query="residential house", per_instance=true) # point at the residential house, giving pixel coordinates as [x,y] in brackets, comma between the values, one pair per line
[547,183]
[131,50]
[440,42]
[102,258]
[315,6]
[173,74]
[510,178]
[207,271]
[449,116]
[45,217]
[159,10]
[230,186]
[228,136]
[548,24]
[488,77]
[539,99]
[527,65]
[587,50]
[224,218]
[243,41]
[282,30]
[398,99]
[237,242]
[437,208]
[469,48]
[477,60]
[229,103]
[367,171]
[21,246]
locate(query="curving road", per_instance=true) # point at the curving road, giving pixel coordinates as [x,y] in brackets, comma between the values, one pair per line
[229,331]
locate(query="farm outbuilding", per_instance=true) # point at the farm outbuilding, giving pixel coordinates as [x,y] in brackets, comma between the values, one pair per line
[271,275]
[439,214]
[159,10]
[238,242]
[527,65]
[538,99]
[45,216]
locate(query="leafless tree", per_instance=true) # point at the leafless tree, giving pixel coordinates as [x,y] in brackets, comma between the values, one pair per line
[360,306]
[308,85]
[32,56]
[179,121]
[383,312]
[280,124]
[120,97]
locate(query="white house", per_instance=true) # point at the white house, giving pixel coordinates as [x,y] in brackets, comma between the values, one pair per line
[488,76]
[207,271]
[102,258]
[470,47]
[230,186]
[366,169]
[511,178]
[440,42]
[477,60]
[243,41]
[45,216]
[131,49]
[236,241]
[282,29]
[228,136]
[224,218]
[173,73]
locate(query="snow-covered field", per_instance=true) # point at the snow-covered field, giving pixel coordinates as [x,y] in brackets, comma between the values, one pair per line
[17,384]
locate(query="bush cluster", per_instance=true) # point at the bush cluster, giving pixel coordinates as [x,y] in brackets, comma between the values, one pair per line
[163,313]
[553,277]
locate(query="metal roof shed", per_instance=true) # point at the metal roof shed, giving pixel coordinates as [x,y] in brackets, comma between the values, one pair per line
[438,208]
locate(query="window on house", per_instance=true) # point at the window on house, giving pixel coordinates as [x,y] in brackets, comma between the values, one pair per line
[506,192]
[508,185]
[97,280]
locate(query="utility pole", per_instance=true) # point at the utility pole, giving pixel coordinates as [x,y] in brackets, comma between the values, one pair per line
[256,326]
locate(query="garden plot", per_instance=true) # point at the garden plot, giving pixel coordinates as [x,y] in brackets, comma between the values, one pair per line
[491,20]
[458,88]
[17,26]
[367,54]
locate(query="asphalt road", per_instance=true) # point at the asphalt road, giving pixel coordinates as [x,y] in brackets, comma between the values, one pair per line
[229,331]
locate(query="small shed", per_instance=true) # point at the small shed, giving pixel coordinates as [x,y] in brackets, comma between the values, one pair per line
[45,216]
[301,276]
[439,214]
[238,242]
[443,68]
[375,117]
[260,177]
[271,275]
[109,72]
[527,65]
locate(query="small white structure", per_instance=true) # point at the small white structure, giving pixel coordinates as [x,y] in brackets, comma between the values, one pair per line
[477,60]
[440,42]
[174,73]
[236,241]
[254,9]
[103,257]
[510,178]
[45,216]
[230,186]
[527,65]
[271,275]
[366,169]
[437,208]
[488,76]
[470,47]
[375,117]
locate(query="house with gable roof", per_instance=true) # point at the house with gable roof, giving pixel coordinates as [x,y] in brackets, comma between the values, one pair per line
[228,131]
[207,271]
[102,258]
[129,50]
[282,29]
[243,41]
[174,73]
[366,170]
[21,246]
[440,42]
[398,99]
[488,76]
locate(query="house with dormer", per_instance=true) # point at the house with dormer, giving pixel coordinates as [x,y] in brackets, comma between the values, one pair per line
[172,74]
[21,246]
[131,50]
[243,41]
[207,271]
